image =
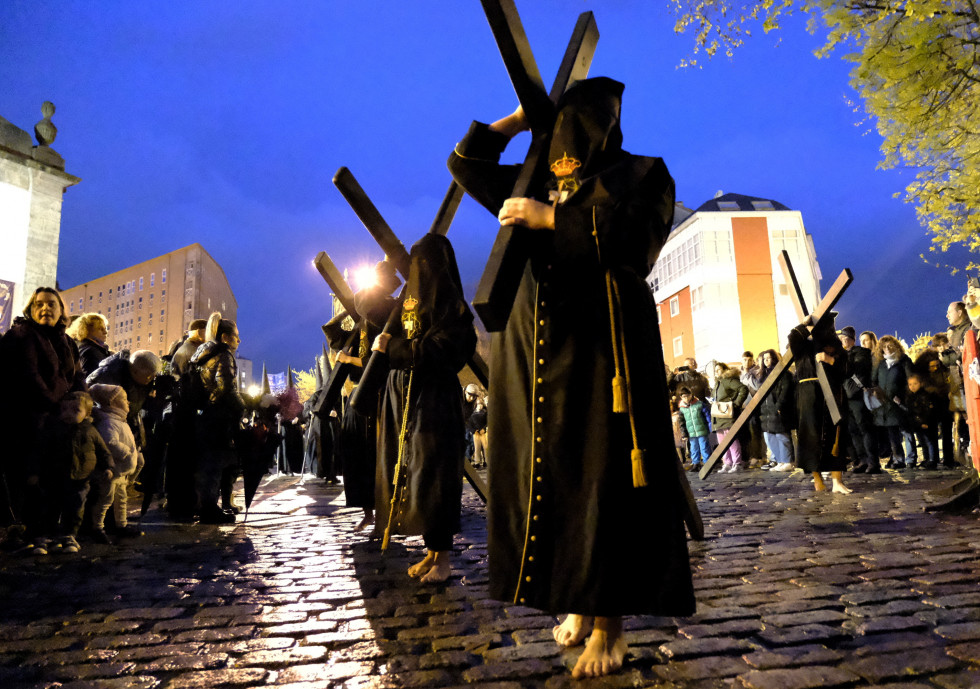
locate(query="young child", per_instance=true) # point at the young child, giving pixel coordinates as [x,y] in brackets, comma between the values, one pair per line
[110,420]
[75,455]
[923,419]
[680,430]
[697,422]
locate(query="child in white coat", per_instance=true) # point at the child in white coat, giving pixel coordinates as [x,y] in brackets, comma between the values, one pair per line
[110,421]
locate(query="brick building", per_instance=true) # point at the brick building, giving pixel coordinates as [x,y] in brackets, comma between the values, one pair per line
[151,304]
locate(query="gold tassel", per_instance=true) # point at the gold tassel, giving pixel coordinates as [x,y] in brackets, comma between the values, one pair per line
[619,395]
[639,474]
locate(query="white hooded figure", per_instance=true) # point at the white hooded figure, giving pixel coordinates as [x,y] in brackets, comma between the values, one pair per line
[127,461]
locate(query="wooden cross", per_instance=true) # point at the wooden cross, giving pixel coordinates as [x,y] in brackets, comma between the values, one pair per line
[497,290]
[372,219]
[340,373]
[822,312]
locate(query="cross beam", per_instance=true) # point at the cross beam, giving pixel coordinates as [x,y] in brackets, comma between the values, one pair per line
[821,313]
[497,289]
[341,372]
[372,219]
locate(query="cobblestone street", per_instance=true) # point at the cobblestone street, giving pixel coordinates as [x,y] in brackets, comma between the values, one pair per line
[795,590]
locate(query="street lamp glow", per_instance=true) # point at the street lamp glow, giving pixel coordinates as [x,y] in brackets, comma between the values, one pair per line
[364,277]
[253,390]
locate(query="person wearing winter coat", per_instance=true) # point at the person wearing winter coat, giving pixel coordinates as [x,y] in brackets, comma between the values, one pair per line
[890,377]
[777,413]
[696,416]
[134,373]
[74,456]
[728,388]
[127,460]
[90,331]
[39,365]
[860,423]
[220,418]
[923,405]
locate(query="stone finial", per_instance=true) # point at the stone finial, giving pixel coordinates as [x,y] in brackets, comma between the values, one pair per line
[45,131]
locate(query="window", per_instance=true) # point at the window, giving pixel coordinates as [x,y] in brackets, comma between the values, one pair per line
[163,293]
[675,306]
[678,345]
[141,304]
[141,283]
[161,313]
[153,277]
[763,205]
[697,298]
[79,303]
[659,319]
[163,277]
[100,298]
[71,307]
[728,205]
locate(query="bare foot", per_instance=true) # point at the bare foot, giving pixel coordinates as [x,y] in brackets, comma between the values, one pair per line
[440,569]
[818,484]
[366,521]
[839,487]
[572,631]
[438,573]
[421,568]
[603,654]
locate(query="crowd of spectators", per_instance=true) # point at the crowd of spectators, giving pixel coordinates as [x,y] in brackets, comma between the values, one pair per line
[84,424]
[900,412]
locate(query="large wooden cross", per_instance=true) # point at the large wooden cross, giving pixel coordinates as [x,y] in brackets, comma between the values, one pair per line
[341,372]
[822,312]
[395,250]
[497,289]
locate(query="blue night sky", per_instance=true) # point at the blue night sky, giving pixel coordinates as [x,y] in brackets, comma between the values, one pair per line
[224,122]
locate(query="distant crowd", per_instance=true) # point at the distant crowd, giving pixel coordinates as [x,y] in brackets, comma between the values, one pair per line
[898,412]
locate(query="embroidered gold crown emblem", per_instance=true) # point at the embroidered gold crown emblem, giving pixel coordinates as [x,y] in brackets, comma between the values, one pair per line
[410,303]
[565,166]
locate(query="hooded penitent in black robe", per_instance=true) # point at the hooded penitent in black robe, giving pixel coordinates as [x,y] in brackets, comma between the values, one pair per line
[568,531]
[821,444]
[434,339]
[358,436]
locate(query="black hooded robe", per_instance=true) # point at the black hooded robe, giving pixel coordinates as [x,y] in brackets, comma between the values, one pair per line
[568,531]
[821,444]
[424,370]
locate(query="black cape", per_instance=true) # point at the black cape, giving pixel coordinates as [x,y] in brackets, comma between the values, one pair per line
[568,532]
[428,364]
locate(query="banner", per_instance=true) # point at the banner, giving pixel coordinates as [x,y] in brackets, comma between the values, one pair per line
[6,305]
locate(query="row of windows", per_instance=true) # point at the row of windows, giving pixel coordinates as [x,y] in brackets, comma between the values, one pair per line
[125,307]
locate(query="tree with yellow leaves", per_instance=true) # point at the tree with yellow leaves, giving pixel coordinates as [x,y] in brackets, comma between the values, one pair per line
[917,71]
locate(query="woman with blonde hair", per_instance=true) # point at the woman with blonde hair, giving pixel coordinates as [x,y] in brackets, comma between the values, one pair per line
[90,331]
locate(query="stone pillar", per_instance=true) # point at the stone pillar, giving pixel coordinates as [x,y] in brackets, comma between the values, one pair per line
[32,184]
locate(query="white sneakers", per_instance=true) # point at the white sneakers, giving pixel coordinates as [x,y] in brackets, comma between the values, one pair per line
[786,466]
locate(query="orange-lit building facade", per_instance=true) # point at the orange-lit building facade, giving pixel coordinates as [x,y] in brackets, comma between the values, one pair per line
[151,304]
[718,285]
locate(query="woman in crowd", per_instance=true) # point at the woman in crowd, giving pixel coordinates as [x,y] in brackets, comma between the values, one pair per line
[90,331]
[728,389]
[778,415]
[890,377]
[39,366]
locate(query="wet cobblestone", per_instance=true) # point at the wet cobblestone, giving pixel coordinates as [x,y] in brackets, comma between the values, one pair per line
[795,591]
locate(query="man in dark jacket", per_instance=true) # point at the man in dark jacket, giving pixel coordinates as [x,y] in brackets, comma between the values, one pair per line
[134,373]
[860,424]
